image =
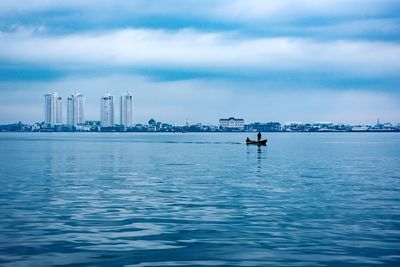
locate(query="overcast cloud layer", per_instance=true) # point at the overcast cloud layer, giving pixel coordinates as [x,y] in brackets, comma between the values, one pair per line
[297,60]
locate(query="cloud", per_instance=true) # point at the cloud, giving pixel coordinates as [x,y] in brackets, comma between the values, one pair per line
[263,18]
[362,29]
[282,10]
[232,9]
[192,49]
[283,60]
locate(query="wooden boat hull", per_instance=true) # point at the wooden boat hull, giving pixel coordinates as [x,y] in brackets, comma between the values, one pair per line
[258,143]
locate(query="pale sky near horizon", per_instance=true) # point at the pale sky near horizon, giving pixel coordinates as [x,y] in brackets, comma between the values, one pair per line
[198,61]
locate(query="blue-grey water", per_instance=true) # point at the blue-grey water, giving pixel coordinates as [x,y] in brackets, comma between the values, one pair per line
[109,199]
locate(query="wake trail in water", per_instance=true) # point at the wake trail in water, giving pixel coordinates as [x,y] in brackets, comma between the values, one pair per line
[203,143]
[118,140]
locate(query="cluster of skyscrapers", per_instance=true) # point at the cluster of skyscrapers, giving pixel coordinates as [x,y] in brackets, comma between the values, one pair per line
[76,110]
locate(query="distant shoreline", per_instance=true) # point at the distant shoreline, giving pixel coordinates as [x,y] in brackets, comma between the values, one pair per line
[154,126]
[203,132]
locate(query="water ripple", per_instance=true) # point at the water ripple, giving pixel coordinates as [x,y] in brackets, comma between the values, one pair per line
[199,200]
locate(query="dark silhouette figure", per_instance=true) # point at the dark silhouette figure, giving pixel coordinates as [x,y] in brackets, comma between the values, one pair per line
[259,136]
[247,140]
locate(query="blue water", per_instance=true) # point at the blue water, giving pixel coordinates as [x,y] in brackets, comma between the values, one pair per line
[108,199]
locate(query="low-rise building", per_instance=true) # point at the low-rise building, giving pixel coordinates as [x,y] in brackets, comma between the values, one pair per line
[152,125]
[265,127]
[231,124]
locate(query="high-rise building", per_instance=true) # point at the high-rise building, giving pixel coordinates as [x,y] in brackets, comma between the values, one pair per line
[125,110]
[107,111]
[75,109]
[52,109]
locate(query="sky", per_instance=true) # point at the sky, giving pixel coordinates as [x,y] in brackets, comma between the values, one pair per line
[202,60]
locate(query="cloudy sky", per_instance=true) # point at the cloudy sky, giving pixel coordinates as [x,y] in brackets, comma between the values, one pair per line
[199,60]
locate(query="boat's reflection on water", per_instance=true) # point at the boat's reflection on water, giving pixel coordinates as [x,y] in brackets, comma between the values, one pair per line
[259,157]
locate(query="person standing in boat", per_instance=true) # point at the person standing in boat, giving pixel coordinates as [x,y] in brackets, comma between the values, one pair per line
[259,136]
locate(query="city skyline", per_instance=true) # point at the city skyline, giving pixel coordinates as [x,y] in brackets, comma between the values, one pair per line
[299,60]
[75,110]
[76,106]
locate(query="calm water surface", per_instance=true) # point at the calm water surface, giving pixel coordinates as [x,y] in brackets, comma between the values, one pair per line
[99,199]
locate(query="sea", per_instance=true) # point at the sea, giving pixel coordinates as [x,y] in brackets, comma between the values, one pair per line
[199,199]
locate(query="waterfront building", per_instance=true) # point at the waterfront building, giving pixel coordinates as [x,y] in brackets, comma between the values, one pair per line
[265,127]
[53,109]
[140,127]
[294,127]
[323,126]
[75,110]
[231,124]
[152,125]
[125,110]
[107,111]
[360,128]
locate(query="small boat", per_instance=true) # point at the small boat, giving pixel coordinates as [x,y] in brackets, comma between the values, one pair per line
[258,143]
